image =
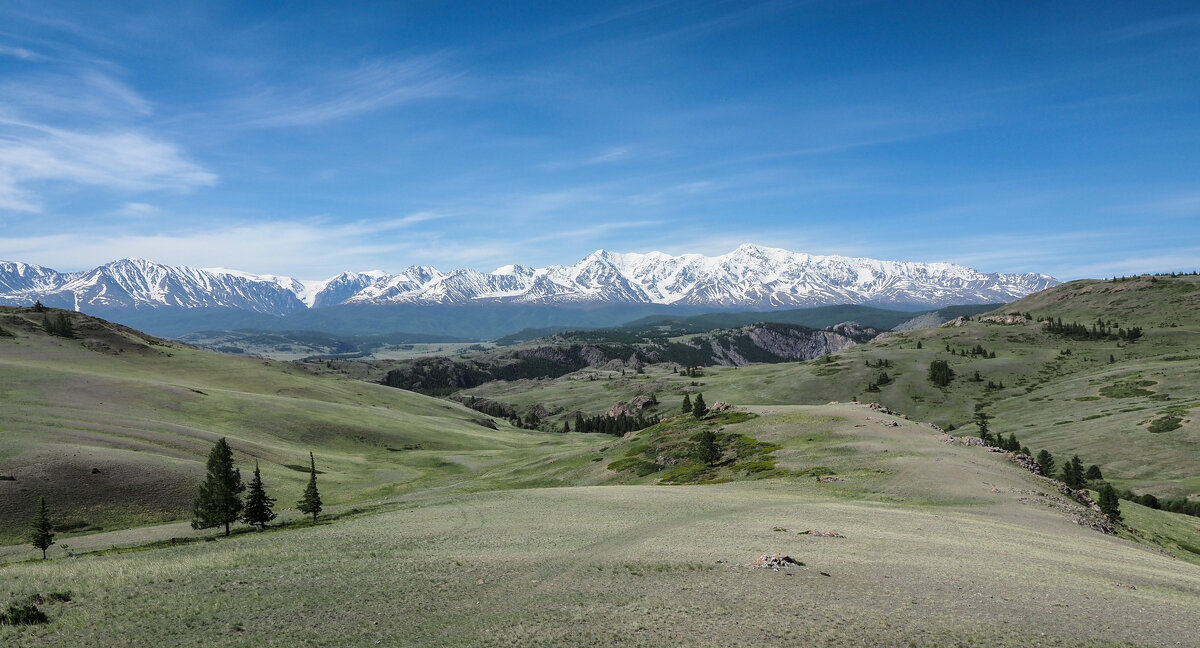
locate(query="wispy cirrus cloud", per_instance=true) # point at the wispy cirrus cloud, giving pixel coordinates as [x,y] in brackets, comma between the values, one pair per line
[345,93]
[129,160]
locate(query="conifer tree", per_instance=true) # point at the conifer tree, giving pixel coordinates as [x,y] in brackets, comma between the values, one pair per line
[566,427]
[41,532]
[1093,473]
[687,404]
[707,448]
[311,502]
[1046,461]
[981,421]
[220,499]
[1072,473]
[258,505]
[1109,503]
[699,409]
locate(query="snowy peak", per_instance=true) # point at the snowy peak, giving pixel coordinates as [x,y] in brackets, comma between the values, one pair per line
[750,276]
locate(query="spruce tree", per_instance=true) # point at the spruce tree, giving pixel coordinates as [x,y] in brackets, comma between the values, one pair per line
[687,404]
[707,448]
[1109,503]
[699,409]
[1093,473]
[1072,473]
[566,427]
[981,421]
[311,502]
[41,532]
[258,505]
[220,499]
[1046,461]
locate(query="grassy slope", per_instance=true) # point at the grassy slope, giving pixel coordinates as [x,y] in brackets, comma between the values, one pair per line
[1050,400]
[114,428]
[944,545]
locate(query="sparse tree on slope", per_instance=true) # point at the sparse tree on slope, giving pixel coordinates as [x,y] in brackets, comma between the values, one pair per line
[258,505]
[41,532]
[1109,503]
[1046,461]
[1072,473]
[220,499]
[310,504]
[1093,473]
[707,448]
[699,409]
[687,404]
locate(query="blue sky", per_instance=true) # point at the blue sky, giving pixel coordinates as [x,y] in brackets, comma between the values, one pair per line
[310,138]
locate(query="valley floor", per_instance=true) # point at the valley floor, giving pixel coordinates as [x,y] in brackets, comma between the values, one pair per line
[630,565]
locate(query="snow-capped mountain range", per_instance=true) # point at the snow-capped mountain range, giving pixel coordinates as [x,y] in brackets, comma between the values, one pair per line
[749,277]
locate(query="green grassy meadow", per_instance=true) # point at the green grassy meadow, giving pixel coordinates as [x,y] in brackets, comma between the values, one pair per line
[1058,394]
[445,528]
[114,428]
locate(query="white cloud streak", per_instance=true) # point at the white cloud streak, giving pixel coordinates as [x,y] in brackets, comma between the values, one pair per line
[127,160]
[346,93]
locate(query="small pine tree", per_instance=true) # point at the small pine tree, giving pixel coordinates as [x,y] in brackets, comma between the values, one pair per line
[566,427]
[1093,473]
[981,421]
[1072,473]
[918,344]
[708,450]
[687,404]
[41,531]
[258,505]
[1109,503]
[220,498]
[310,504]
[1045,460]
[699,409]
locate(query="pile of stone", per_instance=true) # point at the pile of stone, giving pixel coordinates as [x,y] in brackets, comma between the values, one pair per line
[965,440]
[720,406]
[822,534]
[1025,461]
[776,561]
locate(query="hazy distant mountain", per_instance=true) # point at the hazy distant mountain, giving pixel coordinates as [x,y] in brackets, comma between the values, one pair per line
[749,277]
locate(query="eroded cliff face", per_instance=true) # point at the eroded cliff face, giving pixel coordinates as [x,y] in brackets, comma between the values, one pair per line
[765,343]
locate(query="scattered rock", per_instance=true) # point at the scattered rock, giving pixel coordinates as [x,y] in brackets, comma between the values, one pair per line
[720,406]
[778,528]
[822,534]
[825,479]
[776,561]
[1025,461]
[1004,319]
[1124,585]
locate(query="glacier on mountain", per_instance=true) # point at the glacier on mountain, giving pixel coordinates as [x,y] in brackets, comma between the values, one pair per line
[750,277]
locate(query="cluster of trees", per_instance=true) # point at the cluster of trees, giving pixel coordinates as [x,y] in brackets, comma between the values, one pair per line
[59,325]
[691,372]
[220,500]
[614,425]
[976,352]
[881,363]
[1072,473]
[1172,504]
[697,408]
[882,379]
[1100,330]
[1173,275]
[940,373]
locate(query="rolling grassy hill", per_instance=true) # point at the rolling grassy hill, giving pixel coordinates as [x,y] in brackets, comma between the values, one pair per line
[113,427]
[1127,407]
[936,545]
